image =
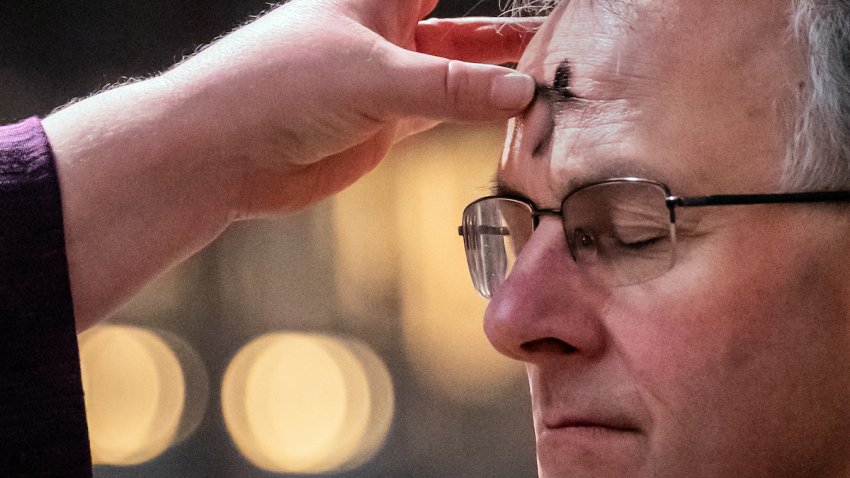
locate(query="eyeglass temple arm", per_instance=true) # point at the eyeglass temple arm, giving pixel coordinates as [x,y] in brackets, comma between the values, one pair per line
[745,199]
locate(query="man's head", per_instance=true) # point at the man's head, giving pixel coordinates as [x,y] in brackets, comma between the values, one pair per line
[735,361]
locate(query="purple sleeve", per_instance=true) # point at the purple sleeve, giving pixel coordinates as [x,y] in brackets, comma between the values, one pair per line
[42,415]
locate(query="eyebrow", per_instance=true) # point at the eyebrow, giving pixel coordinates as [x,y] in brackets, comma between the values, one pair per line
[619,168]
[499,187]
[559,91]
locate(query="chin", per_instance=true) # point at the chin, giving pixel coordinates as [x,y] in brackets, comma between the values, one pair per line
[596,452]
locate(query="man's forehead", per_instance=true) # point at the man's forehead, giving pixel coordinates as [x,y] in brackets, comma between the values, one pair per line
[584,32]
[656,19]
[617,48]
[671,92]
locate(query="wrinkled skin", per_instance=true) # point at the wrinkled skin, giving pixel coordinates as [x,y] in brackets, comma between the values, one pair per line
[733,363]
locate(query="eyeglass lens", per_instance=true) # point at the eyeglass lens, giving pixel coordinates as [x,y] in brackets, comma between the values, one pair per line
[619,232]
[494,232]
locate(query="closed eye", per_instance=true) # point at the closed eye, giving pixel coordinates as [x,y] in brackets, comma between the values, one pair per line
[641,243]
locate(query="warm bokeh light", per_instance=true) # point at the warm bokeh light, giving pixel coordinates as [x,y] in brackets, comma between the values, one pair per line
[196,380]
[135,393]
[442,312]
[366,262]
[299,403]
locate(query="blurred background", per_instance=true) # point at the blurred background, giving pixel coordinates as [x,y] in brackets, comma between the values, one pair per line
[342,341]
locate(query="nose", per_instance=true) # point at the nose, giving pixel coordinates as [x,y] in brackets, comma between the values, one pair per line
[546,308]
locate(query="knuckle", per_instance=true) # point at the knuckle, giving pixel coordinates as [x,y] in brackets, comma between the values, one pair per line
[457,87]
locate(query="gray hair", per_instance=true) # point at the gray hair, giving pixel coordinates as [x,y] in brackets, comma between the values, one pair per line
[528,7]
[818,153]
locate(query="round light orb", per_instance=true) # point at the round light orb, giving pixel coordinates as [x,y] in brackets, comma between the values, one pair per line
[301,403]
[134,392]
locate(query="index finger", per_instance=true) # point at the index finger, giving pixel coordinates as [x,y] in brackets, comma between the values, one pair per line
[477,39]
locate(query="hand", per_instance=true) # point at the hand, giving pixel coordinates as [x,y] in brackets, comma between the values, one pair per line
[278,114]
[311,96]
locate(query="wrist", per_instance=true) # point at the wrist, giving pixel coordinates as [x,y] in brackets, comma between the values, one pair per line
[139,194]
[145,127]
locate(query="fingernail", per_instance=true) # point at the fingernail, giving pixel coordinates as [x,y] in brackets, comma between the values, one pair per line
[512,91]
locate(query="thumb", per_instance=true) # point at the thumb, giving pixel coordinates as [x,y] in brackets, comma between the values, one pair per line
[438,88]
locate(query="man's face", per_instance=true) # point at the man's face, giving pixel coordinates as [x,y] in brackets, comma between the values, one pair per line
[736,362]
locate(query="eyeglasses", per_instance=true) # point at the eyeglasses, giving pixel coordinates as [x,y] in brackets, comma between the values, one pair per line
[620,231]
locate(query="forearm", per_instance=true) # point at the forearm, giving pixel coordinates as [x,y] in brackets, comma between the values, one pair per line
[139,191]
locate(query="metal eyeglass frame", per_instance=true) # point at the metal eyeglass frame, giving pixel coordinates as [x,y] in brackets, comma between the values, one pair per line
[672,201]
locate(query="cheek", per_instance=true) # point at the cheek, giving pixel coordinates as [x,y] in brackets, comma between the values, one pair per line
[730,347]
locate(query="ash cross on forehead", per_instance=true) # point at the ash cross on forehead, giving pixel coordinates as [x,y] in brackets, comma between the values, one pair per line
[559,90]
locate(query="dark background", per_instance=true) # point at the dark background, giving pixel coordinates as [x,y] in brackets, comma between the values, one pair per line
[53,51]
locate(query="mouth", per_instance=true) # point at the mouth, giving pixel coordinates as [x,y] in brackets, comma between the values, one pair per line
[612,424]
[590,427]
[599,444]
[588,433]
[608,421]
